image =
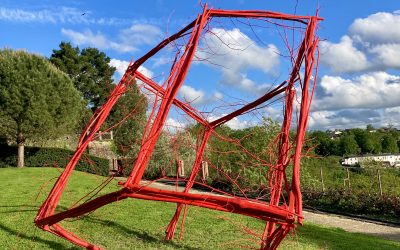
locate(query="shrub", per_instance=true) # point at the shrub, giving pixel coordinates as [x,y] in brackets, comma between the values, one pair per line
[361,203]
[53,157]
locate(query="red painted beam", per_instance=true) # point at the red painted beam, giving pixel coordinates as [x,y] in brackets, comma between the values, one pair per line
[276,91]
[183,106]
[237,205]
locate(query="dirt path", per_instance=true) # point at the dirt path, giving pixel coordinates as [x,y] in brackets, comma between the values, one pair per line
[330,220]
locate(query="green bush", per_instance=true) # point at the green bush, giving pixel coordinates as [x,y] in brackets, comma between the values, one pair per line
[359,203]
[53,157]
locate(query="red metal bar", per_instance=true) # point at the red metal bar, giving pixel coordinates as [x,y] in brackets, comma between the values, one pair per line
[276,91]
[258,14]
[237,205]
[170,232]
[183,106]
[181,69]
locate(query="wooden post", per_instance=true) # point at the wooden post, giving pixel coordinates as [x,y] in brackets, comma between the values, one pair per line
[348,177]
[111,135]
[180,168]
[380,182]
[322,180]
[204,170]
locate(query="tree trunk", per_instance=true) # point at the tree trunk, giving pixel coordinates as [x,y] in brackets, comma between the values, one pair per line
[21,144]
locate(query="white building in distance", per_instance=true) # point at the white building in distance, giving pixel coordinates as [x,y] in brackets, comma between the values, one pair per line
[393,160]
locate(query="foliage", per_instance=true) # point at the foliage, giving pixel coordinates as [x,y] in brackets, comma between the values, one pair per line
[89,70]
[161,158]
[348,145]
[229,155]
[53,157]
[355,141]
[345,202]
[32,98]
[389,144]
[92,75]
[131,110]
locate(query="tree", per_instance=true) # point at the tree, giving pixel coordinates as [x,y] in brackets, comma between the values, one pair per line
[348,145]
[89,70]
[36,99]
[389,144]
[364,140]
[130,112]
[324,145]
[370,128]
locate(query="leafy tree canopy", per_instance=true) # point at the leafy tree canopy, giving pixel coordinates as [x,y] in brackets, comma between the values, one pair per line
[89,70]
[36,99]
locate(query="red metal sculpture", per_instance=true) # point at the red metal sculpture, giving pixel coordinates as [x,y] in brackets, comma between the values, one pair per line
[280,216]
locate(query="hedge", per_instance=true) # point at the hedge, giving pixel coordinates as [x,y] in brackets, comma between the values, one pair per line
[53,157]
[354,203]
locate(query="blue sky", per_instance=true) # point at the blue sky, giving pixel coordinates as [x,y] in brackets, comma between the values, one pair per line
[359,79]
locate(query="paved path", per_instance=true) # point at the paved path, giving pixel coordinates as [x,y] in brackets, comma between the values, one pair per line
[354,225]
[331,220]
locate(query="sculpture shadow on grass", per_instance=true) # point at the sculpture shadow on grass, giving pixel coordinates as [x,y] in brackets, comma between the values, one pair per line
[141,235]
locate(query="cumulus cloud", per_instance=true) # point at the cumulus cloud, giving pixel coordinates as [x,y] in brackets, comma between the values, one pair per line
[387,55]
[122,65]
[198,97]
[128,39]
[391,116]
[97,40]
[139,34]
[371,44]
[329,120]
[370,90]
[234,54]
[343,56]
[381,27]
[235,123]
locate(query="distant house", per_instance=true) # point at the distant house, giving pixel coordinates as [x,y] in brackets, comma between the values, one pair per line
[393,160]
[335,133]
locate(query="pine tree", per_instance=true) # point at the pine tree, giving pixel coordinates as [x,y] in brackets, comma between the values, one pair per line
[36,99]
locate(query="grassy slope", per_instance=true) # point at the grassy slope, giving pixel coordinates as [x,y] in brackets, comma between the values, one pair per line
[136,224]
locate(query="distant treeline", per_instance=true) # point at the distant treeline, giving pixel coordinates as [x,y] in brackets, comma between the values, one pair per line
[355,141]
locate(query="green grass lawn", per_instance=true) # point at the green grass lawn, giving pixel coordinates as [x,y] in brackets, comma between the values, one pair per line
[137,224]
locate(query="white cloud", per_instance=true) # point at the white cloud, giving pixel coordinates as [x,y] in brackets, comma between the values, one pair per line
[235,123]
[274,113]
[192,95]
[371,46]
[140,34]
[172,125]
[387,55]
[198,97]
[122,65]
[343,56]
[381,27]
[128,39]
[56,15]
[145,71]
[329,120]
[371,90]
[372,43]
[391,116]
[234,53]
[96,40]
